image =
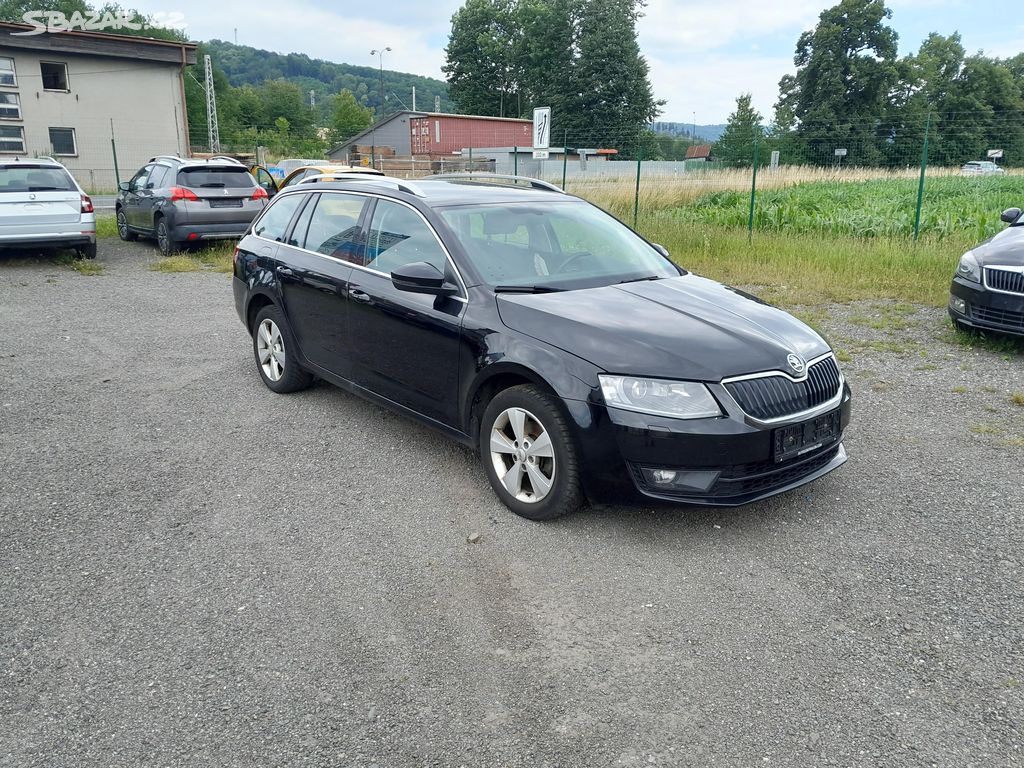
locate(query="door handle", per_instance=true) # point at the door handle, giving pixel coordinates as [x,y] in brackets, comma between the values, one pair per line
[285,271]
[361,296]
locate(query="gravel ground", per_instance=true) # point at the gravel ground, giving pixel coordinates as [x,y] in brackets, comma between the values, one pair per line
[198,572]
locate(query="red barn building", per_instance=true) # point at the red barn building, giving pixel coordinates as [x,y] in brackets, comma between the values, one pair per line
[437,134]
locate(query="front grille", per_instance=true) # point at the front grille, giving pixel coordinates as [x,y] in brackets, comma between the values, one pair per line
[777,396]
[1004,280]
[1001,317]
[746,479]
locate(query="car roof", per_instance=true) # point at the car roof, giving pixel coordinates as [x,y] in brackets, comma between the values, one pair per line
[30,161]
[442,192]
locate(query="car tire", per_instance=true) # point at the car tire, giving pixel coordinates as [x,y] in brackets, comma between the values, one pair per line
[529,454]
[123,231]
[87,251]
[168,246]
[274,349]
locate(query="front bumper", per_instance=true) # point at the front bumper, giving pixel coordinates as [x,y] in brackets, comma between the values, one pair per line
[973,305]
[727,461]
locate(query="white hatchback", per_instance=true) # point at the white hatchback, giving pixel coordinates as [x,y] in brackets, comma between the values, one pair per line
[42,206]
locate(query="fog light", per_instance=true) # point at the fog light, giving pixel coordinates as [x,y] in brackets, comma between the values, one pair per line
[663,476]
[193,236]
[958,305]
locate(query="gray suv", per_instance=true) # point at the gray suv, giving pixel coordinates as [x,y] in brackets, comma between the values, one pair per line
[181,201]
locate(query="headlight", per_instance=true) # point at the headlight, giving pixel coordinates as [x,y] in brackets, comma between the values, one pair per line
[661,397]
[968,268]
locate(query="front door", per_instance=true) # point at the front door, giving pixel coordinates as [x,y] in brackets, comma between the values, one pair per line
[405,346]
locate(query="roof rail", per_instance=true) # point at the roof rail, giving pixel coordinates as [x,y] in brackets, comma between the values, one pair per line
[400,184]
[226,158]
[486,177]
[164,157]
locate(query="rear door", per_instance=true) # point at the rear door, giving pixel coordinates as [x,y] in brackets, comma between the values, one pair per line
[264,179]
[405,346]
[316,267]
[37,199]
[150,193]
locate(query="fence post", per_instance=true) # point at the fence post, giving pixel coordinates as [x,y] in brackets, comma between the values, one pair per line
[920,181]
[515,161]
[753,192]
[113,148]
[565,156]
[470,159]
[636,193]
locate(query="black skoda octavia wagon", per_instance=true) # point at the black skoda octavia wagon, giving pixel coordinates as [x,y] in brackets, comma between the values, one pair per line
[542,332]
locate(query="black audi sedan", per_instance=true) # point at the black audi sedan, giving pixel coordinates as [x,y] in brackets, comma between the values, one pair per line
[542,332]
[988,288]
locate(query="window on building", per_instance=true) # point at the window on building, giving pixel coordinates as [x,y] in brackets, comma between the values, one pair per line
[10,106]
[7,75]
[62,140]
[12,138]
[55,75]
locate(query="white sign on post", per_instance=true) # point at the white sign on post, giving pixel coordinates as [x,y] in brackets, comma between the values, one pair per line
[540,154]
[542,127]
[995,154]
[841,152]
[775,158]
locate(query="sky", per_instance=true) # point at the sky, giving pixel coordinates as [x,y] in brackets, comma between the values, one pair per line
[702,55]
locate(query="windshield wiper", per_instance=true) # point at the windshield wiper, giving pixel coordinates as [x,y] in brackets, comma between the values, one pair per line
[526,289]
[640,279]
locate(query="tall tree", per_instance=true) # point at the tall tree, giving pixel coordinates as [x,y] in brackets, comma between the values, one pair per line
[846,67]
[742,131]
[610,100]
[348,117]
[482,67]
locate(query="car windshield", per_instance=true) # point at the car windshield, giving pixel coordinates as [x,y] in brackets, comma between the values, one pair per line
[234,178]
[553,246]
[35,178]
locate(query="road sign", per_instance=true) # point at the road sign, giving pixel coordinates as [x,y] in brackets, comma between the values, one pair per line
[542,127]
[540,154]
[775,158]
[995,154]
[841,152]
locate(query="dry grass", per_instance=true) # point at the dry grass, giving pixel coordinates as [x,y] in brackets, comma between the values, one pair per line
[659,191]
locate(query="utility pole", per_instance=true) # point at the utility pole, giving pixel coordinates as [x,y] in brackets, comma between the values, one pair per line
[312,99]
[414,98]
[211,107]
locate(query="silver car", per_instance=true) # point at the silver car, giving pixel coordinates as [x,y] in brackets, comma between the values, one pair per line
[981,168]
[42,206]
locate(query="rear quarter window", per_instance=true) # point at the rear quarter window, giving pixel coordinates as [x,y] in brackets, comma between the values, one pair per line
[216,178]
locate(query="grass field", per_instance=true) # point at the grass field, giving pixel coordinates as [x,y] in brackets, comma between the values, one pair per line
[818,236]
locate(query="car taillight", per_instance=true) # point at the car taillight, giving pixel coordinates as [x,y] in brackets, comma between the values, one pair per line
[180,193]
[259,194]
[87,204]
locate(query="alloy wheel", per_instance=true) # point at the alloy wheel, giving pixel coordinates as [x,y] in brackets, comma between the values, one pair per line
[522,455]
[270,348]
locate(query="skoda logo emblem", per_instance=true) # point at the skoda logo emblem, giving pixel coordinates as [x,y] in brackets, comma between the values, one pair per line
[795,364]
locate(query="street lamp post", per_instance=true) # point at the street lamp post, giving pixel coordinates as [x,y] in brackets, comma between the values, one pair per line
[379,53]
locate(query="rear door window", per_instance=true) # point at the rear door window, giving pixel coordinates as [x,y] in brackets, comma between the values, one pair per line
[216,178]
[334,227]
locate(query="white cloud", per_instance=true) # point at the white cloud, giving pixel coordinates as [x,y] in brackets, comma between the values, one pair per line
[709,85]
[688,28]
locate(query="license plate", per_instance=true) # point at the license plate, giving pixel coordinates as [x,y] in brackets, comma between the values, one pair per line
[230,203]
[798,439]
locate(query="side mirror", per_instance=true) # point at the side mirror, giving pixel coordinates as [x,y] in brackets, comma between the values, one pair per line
[421,277]
[124,186]
[661,249]
[1010,215]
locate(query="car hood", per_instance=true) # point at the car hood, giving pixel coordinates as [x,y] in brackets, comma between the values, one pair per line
[679,328]
[1007,248]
